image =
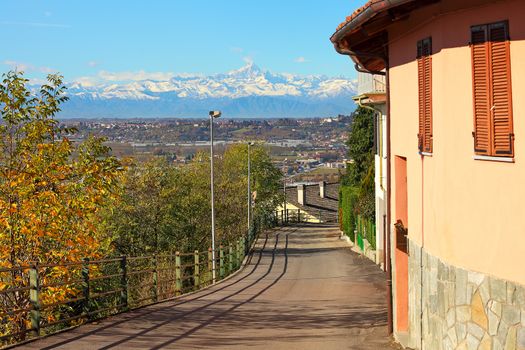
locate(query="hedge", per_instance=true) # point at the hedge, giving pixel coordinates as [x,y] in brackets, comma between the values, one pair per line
[347,200]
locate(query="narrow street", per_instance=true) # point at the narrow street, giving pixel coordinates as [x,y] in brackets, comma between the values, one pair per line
[303,289]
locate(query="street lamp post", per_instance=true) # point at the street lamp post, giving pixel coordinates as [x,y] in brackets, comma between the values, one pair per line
[285,214]
[213,114]
[249,191]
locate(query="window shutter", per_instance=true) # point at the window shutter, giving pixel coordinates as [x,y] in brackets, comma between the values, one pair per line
[480,75]
[501,108]
[493,125]
[424,61]
[427,53]
[421,95]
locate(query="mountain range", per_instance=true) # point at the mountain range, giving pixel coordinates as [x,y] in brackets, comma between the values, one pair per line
[246,92]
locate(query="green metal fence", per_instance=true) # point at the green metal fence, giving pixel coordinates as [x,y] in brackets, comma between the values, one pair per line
[93,289]
[365,229]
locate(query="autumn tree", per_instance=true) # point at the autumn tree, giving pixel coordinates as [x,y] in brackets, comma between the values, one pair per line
[51,190]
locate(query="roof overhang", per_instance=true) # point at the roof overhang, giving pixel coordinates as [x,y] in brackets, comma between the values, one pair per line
[370,98]
[364,35]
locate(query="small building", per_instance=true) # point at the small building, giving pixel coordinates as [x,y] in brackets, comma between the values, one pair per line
[371,94]
[315,203]
[454,73]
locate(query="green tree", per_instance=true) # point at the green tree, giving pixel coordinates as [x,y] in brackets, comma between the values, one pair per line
[141,222]
[360,173]
[193,203]
[360,146]
[232,211]
[165,208]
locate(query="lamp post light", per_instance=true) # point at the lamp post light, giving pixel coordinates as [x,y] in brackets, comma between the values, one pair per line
[285,213]
[249,191]
[213,115]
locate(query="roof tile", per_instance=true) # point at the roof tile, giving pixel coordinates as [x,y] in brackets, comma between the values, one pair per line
[357,12]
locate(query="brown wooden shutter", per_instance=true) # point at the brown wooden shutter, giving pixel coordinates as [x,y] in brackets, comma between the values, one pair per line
[421,95]
[480,74]
[501,90]
[424,66]
[493,131]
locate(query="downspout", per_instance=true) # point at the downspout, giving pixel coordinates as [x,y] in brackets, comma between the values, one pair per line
[421,250]
[388,205]
[388,260]
[381,152]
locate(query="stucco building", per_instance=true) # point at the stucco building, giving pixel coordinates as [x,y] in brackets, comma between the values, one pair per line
[455,74]
[371,94]
[315,203]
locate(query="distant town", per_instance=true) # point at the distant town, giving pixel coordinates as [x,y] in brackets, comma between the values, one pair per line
[307,150]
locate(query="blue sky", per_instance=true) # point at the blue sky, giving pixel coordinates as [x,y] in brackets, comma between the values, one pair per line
[156,38]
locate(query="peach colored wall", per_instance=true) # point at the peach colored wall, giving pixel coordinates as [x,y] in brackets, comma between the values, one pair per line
[401,197]
[467,212]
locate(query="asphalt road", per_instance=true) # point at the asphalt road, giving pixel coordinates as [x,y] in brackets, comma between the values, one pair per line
[303,289]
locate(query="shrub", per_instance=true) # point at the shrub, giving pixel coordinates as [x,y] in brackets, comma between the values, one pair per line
[347,201]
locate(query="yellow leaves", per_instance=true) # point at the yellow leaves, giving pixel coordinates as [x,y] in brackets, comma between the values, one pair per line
[27,324]
[13,208]
[18,278]
[50,192]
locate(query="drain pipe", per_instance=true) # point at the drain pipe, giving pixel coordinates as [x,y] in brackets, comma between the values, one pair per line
[388,205]
[388,260]
[421,250]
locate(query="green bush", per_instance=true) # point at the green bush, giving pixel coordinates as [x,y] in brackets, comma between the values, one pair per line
[347,201]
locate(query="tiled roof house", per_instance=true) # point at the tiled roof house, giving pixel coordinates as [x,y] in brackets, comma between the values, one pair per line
[455,137]
[314,202]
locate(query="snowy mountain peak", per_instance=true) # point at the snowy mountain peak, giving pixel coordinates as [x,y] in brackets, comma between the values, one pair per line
[248,71]
[248,83]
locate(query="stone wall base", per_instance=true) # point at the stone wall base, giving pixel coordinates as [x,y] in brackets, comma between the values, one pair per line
[462,309]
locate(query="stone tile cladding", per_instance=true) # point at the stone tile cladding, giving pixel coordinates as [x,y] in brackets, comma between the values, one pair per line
[462,309]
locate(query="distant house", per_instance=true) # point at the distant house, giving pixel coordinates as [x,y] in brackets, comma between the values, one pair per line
[454,81]
[312,202]
[371,94]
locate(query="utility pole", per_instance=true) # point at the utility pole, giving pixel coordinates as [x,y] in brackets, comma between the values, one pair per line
[249,190]
[285,214]
[213,114]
